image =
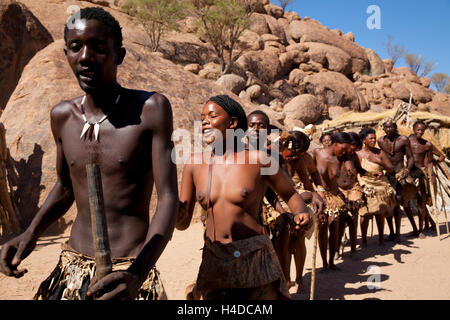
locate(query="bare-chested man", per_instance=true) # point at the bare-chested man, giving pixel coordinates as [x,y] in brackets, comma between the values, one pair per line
[396,147]
[422,151]
[133,150]
[238,258]
[329,162]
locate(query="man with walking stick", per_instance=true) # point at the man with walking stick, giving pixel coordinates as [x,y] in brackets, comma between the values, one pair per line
[127,134]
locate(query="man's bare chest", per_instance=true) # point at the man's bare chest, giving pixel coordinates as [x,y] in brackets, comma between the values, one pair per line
[117,148]
[393,148]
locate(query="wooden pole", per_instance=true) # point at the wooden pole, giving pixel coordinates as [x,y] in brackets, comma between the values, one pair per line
[433,198]
[443,204]
[313,271]
[444,182]
[443,169]
[371,223]
[98,221]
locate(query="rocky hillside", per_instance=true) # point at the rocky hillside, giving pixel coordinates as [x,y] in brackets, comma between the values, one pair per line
[306,72]
[294,68]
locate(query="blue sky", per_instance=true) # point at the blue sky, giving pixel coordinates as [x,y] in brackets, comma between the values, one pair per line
[422,27]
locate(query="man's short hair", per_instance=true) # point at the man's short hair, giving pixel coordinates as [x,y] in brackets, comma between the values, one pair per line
[419,122]
[99,14]
[266,117]
[390,122]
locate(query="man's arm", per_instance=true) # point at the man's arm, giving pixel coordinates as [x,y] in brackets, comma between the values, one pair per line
[165,177]
[409,154]
[381,143]
[438,153]
[55,206]
[385,162]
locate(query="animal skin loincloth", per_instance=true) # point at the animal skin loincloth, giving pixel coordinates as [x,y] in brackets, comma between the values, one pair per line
[404,186]
[422,182]
[248,268]
[334,204]
[379,193]
[354,198]
[74,272]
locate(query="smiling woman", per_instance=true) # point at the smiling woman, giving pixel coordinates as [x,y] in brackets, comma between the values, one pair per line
[238,258]
[379,193]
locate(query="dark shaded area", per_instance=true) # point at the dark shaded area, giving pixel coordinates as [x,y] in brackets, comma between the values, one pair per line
[185,52]
[21,37]
[332,284]
[24,179]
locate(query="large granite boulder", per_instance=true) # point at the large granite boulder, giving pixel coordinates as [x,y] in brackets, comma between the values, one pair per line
[313,31]
[305,107]
[333,88]
[331,57]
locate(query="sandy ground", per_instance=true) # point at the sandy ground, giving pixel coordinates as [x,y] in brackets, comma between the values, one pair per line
[413,269]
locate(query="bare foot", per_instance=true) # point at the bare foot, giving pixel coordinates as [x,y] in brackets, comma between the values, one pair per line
[297,288]
[422,236]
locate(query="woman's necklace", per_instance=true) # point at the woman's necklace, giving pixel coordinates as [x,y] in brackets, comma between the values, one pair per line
[95,125]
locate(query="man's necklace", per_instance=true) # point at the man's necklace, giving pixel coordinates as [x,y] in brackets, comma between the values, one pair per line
[95,125]
[392,151]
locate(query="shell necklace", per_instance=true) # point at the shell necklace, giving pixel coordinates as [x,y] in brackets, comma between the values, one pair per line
[95,125]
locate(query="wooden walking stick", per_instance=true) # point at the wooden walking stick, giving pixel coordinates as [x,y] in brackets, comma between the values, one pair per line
[371,223]
[98,221]
[443,204]
[433,199]
[313,271]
